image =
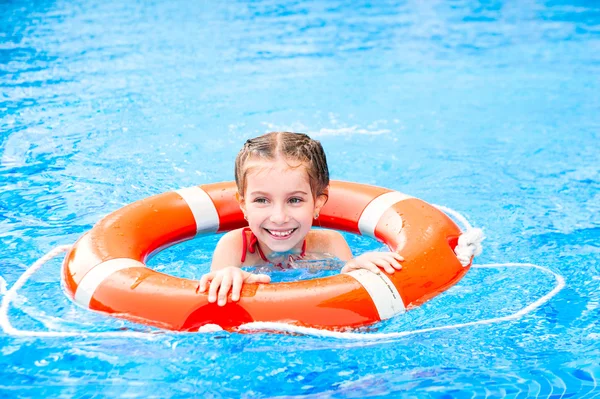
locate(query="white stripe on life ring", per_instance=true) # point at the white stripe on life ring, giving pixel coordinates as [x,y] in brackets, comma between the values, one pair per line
[203,209]
[384,294]
[96,276]
[376,208]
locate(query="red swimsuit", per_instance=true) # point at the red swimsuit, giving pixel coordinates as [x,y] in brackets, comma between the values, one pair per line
[253,246]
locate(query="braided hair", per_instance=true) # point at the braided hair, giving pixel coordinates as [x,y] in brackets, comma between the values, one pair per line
[291,147]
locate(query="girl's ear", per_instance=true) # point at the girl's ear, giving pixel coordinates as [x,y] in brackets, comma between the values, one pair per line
[241,203]
[321,200]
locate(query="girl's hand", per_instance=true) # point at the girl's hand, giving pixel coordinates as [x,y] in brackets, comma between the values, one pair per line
[229,279]
[373,261]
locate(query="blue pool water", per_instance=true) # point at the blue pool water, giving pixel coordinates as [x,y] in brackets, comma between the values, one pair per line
[491,108]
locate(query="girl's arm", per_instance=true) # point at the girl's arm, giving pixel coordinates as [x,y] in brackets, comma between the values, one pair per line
[228,251]
[225,273]
[330,242]
[373,261]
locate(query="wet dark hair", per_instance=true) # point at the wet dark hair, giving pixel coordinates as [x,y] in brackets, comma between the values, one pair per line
[291,147]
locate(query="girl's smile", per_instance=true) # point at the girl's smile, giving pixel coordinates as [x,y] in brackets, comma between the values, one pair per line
[281,234]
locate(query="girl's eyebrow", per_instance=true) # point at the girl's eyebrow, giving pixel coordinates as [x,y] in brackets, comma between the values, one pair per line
[259,193]
[267,194]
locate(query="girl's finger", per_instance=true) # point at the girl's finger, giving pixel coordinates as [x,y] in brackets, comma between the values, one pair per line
[385,265]
[397,256]
[236,286]
[214,287]
[371,266]
[261,278]
[393,262]
[258,278]
[204,280]
[224,289]
[389,260]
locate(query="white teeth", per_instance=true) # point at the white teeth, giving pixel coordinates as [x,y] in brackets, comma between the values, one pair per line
[281,233]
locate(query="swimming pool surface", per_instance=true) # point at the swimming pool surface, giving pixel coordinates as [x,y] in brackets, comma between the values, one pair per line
[491,108]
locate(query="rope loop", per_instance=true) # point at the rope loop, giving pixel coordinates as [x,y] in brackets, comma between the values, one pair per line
[469,242]
[469,245]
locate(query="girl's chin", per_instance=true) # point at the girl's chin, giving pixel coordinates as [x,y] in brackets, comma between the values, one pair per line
[282,246]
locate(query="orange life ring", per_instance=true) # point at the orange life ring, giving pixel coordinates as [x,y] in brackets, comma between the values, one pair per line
[105,270]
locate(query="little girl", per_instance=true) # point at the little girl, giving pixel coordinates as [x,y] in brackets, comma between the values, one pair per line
[283,182]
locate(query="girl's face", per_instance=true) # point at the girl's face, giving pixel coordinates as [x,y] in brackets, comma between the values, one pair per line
[279,204]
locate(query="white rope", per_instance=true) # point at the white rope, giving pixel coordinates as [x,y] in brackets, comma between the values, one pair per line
[11,294]
[469,242]
[2,286]
[287,328]
[463,220]
[469,245]
[472,240]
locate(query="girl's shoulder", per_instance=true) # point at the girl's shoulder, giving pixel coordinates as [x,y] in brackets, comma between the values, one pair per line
[328,242]
[229,249]
[231,238]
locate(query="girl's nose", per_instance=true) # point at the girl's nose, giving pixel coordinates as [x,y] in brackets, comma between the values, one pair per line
[279,215]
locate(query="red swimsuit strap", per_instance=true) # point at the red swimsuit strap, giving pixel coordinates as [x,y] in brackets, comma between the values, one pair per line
[253,246]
